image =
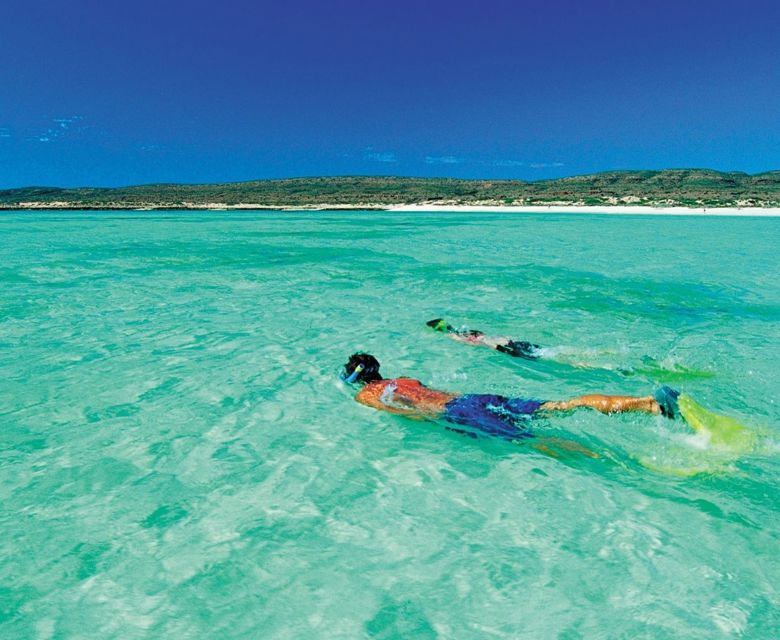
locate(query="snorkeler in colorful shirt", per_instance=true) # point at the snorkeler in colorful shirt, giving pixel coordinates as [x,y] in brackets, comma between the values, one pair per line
[516,348]
[483,414]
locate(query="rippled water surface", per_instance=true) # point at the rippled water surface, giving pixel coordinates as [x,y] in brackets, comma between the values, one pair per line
[179,460]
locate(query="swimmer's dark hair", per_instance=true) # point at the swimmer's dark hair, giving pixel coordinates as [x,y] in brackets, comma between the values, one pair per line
[370,372]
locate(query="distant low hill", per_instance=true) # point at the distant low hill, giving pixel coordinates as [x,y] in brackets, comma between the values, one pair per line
[674,187]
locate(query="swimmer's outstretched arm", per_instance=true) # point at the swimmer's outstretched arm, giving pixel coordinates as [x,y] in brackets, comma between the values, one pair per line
[479,338]
[606,404]
[517,348]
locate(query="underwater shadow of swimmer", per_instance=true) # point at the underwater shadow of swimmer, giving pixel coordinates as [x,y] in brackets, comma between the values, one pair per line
[654,370]
[650,368]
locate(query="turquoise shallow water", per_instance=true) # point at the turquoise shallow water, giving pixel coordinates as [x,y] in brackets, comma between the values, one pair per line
[178,459]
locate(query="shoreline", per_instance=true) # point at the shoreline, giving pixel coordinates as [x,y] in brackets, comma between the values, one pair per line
[574,209]
[769,212]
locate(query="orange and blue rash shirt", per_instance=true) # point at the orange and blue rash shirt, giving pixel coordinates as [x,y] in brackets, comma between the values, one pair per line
[489,414]
[406,396]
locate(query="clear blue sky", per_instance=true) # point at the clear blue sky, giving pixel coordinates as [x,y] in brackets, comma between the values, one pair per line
[107,92]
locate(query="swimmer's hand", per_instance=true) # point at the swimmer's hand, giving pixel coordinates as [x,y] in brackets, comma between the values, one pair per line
[390,398]
[399,404]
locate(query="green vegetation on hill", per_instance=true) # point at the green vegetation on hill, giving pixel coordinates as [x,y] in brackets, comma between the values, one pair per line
[680,187]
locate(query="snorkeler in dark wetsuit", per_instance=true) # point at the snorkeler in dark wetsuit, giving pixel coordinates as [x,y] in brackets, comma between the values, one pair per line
[516,348]
[493,415]
[570,356]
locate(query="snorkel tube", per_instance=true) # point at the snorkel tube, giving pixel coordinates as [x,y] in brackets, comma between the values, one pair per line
[352,377]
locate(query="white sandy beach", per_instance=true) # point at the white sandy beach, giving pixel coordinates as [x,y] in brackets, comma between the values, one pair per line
[610,209]
[766,212]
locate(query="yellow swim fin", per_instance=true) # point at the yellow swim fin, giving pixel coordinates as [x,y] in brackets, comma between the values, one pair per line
[721,431]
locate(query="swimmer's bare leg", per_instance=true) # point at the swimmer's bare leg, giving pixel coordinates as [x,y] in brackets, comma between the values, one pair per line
[606,404]
[553,447]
